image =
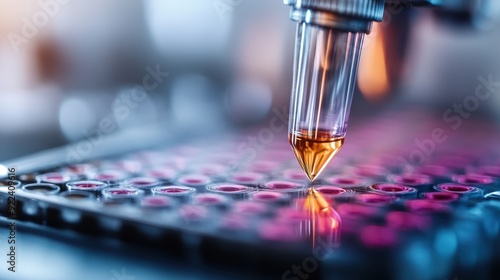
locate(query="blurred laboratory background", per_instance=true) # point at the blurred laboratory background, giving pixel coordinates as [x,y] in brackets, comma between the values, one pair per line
[65,65]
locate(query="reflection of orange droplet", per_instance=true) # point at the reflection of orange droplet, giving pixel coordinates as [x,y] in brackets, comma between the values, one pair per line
[325,222]
[316,199]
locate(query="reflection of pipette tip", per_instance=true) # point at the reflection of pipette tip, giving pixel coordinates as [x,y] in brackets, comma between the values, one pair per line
[323,205]
[324,220]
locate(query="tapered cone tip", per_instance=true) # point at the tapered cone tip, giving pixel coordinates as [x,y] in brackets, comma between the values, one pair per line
[313,162]
[311,177]
[314,154]
[311,170]
[309,174]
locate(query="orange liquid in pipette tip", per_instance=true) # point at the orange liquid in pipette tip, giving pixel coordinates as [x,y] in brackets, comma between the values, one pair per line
[314,150]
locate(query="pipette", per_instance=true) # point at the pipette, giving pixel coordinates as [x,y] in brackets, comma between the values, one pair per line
[328,44]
